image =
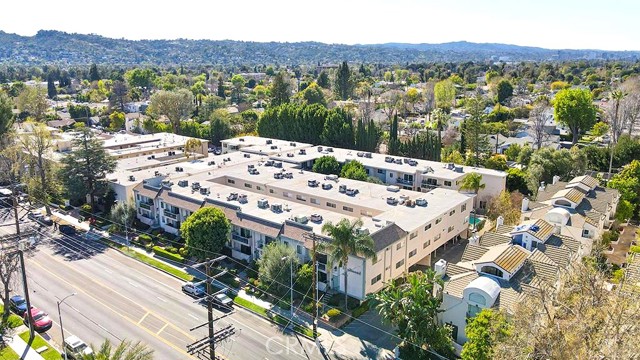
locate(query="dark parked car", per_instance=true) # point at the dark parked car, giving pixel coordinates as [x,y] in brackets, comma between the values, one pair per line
[67,229]
[41,320]
[222,300]
[39,218]
[18,304]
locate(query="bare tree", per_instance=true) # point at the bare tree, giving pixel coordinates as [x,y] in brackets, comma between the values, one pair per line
[391,101]
[540,115]
[429,97]
[630,105]
[9,264]
[38,144]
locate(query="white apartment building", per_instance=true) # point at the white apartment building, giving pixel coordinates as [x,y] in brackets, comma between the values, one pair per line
[271,200]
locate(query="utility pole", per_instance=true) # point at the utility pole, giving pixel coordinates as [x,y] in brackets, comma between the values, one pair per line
[314,282]
[212,344]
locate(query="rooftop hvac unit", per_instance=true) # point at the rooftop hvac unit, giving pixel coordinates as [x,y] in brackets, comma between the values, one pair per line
[342,188]
[331,177]
[410,203]
[250,166]
[316,218]
[326,186]
[268,163]
[368,155]
[132,178]
[179,169]
[277,208]
[398,161]
[451,166]
[292,144]
[210,163]
[440,267]
[359,154]
[302,152]
[413,162]
[391,200]
[301,219]
[242,198]
[277,164]
[195,185]
[362,231]
[393,188]
[269,142]
[232,197]
[204,190]
[388,159]
[329,149]
[241,140]
[312,183]
[421,202]
[247,155]
[273,147]
[319,148]
[351,192]
[277,175]
[288,175]
[459,169]
[263,203]
[156,173]
[254,171]
[290,155]
[405,160]
[183,183]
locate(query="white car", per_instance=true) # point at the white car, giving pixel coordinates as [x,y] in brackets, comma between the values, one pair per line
[193,290]
[76,348]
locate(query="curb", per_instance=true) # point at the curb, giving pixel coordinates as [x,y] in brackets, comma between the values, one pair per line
[274,322]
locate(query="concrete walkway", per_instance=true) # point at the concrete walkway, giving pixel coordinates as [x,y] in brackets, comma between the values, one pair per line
[19,346]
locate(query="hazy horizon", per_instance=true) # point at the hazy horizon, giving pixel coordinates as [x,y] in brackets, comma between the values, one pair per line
[570,24]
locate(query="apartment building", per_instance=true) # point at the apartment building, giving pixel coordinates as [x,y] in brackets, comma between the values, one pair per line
[271,200]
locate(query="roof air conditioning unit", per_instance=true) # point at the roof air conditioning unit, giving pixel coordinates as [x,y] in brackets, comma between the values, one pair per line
[421,202]
[269,142]
[250,166]
[392,200]
[319,148]
[316,218]
[326,186]
[132,178]
[277,208]
[359,154]
[242,198]
[232,197]
[458,169]
[302,152]
[329,149]
[277,164]
[342,188]
[331,177]
[195,185]
[312,183]
[362,231]
[247,155]
[393,188]
[204,190]
[183,183]
[263,203]
[440,267]
[301,219]
[268,163]
[273,147]
[368,155]
[351,192]
[388,159]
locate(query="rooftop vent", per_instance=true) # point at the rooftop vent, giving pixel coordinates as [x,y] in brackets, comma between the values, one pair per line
[232,197]
[290,155]
[241,140]
[269,142]
[302,152]
[342,188]
[326,186]
[359,154]
[247,155]
[312,183]
[393,188]
[156,173]
[179,169]
[427,169]
[273,147]
[183,183]
[329,149]
[421,202]
[292,144]
[368,155]
[276,208]
[251,166]
[210,163]
[392,200]
[132,178]
[263,203]
[242,198]
[301,219]
[316,218]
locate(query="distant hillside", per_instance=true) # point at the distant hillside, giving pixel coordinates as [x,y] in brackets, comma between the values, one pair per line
[64,48]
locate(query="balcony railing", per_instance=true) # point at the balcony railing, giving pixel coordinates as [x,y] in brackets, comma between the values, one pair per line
[240,238]
[170,214]
[404,181]
[145,205]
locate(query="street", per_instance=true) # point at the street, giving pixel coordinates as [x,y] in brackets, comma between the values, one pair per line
[118,298]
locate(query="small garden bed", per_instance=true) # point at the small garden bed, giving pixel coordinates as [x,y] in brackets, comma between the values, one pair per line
[14,320]
[38,342]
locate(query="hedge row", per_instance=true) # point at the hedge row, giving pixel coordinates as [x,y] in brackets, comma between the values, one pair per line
[167,255]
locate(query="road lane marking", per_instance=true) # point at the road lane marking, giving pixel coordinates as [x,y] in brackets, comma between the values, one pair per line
[144,317]
[161,299]
[166,342]
[193,316]
[162,328]
[133,284]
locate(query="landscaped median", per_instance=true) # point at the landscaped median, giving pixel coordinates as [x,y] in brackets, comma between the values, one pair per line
[38,342]
[276,318]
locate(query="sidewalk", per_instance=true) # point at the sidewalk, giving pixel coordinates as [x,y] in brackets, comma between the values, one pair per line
[68,219]
[19,346]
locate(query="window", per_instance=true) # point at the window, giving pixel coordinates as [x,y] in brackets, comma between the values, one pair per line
[438,221]
[463,208]
[245,233]
[477,298]
[447,183]
[432,182]
[247,185]
[380,171]
[585,233]
[473,310]
[377,260]
[138,197]
[286,194]
[376,279]
[301,198]
[366,170]
[450,229]
[452,212]
[427,227]
[231,181]
[390,175]
[413,235]
[483,205]
[426,244]
[437,237]
[413,252]
[399,263]
[346,208]
[491,270]
[331,205]
[299,249]
[271,191]
[314,201]
[258,187]
[399,246]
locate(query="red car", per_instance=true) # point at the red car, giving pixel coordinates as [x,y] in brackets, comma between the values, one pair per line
[41,320]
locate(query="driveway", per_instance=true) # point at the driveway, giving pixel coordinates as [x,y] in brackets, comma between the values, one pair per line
[364,338]
[620,250]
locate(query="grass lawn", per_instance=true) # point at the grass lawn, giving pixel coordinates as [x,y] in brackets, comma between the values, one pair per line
[277,318]
[38,341]
[156,264]
[249,305]
[14,320]
[8,354]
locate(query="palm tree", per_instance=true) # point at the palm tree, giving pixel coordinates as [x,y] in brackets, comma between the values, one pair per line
[472,182]
[345,241]
[124,351]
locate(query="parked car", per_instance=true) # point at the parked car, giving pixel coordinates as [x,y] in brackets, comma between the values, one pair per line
[76,348]
[67,229]
[41,320]
[192,289]
[18,304]
[222,300]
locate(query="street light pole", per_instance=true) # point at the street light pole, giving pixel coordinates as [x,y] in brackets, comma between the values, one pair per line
[64,349]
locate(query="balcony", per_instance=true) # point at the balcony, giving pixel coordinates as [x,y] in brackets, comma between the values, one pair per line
[240,238]
[170,214]
[404,182]
[145,205]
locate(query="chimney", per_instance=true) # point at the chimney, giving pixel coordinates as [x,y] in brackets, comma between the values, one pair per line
[440,267]
[474,239]
[557,229]
[500,221]
[556,178]
[542,187]
[525,204]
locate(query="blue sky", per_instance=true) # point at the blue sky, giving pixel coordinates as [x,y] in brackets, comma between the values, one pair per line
[586,24]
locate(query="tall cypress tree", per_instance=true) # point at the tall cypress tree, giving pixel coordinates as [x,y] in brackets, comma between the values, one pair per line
[221,87]
[344,82]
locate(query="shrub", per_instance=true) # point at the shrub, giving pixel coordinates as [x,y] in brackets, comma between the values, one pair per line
[144,238]
[157,231]
[331,313]
[171,249]
[149,247]
[183,251]
[85,209]
[360,309]
[167,255]
[635,249]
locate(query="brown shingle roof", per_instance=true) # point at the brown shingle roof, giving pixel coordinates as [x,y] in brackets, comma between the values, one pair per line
[586,180]
[387,236]
[512,258]
[456,285]
[473,252]
[574,195]
[503,229]
[259,225]
[147,191]
[181,202]
[455,269]
[561,255]
[544,230]
[566,241]
[493,239]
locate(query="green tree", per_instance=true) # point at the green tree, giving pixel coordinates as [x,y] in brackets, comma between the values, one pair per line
[475,140]
[574,108]
[280,89]
[221,90]
[94,75]
[176,105]
[410,305]
[52,92]
[6,113]
[346,241]
[238,82]
[344,84]
[517,181]
[504,90]
[338,129]
[220,126]
[192,146]
[445,94]
[627,182]
[39,145]
[472,182]
[116,120]
[323,80]
[273,271]
[206,232]
[512,152]
[354,170]
[485,330]
[624,211]
[524,158]
[496,162]
[313,95]
[33,100]
[546,163]
[326,165]
[119,94]
[122,215]
[126,350]
[506,205]
[84,170]
[599,129]
[140,78]
[304,278]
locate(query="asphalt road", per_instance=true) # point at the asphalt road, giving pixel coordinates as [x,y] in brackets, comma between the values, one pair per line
[119,298]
